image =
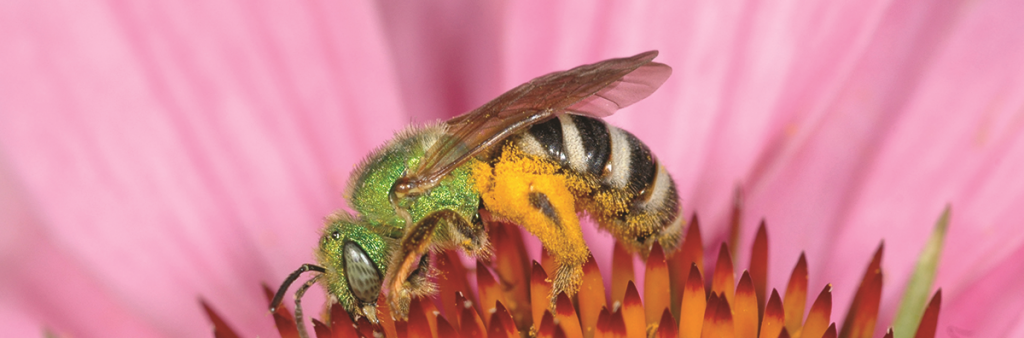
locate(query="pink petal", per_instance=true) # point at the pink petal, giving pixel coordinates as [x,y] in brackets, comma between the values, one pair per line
[847,124]
[166,152]
[918,115]
[989,303]
[447,54]
[176,151]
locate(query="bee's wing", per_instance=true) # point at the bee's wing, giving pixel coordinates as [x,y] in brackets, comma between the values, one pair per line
[596,90]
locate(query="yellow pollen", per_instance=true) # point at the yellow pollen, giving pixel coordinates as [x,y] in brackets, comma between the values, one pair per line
[506,186]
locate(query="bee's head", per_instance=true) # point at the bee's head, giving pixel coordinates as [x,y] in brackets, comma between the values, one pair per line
[352,262]
[354,258]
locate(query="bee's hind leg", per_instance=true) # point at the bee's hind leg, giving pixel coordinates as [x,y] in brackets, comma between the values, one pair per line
[414,244]
[545,207]
[560,234]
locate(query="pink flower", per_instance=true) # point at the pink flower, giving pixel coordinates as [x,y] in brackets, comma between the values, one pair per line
[152,154]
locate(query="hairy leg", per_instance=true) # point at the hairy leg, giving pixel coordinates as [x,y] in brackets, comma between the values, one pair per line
[414,244]
[544,206]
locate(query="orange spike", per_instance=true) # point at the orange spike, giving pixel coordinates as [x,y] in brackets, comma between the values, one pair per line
[459,303]
[511,265]
[547,325]
[622,272]
[691,313]
[736,218]
[745,311]
[402,328]
[759,266]
[721,322]
[366,329]
[547,261]
[865,315]
[633,312]
[930,318]
[869,273]
[591,297]
[456,315]
[708,330]
[774,317]
[471,324]
[430,309]
[559,333]
[321,329]
[285,326]
[724,280]
[604,323]
[830,332]
[507,322]
[221,329]
[796,295]
[269,295]
[386,323]
[566,317]
[488,289]
[500,322]
[444,329]
[784,333]
[496,329]
[875,265]
[451,278]
[689,253]
[888,333]
[667,326]
[282,317]
[655,284]
[617,326]
[417,325]
[819,317]
[540,291]
[341,323]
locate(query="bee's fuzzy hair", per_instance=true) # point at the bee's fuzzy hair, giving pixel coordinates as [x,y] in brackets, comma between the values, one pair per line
[343,216]
[422,136]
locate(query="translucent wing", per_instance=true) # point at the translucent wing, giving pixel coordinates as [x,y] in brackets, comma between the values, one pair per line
[596,90]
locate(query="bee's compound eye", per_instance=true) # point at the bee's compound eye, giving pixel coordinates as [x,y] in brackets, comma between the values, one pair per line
[363,278]
[335,235]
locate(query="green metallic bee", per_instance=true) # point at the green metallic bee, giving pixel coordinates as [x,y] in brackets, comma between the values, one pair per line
[536,156]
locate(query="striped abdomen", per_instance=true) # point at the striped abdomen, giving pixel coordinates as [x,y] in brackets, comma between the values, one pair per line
[631,195]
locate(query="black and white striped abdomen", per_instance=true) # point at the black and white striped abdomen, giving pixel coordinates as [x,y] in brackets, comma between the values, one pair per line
[646,206]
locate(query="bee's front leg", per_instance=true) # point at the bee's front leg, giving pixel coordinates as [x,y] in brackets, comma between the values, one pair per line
[415,243]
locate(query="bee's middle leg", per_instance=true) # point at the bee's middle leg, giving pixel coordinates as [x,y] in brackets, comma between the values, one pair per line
[414,244]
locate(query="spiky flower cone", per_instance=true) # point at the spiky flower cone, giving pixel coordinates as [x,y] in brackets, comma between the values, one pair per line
[680,299]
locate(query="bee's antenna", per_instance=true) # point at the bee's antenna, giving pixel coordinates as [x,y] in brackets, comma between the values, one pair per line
[291,279]
[298,305]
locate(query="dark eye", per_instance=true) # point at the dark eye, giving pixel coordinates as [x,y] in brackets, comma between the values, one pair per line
[335,235]
[363,278]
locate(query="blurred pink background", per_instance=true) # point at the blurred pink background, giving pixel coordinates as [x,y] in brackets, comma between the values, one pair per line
[155,153]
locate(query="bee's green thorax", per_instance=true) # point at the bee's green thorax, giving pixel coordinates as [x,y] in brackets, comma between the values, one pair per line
[372,182]
[376,226]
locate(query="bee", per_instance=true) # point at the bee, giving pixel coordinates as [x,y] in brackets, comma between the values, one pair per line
[536,156]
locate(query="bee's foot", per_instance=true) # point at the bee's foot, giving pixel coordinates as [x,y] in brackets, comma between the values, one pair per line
[370,312]
[567,280]
[398,301]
